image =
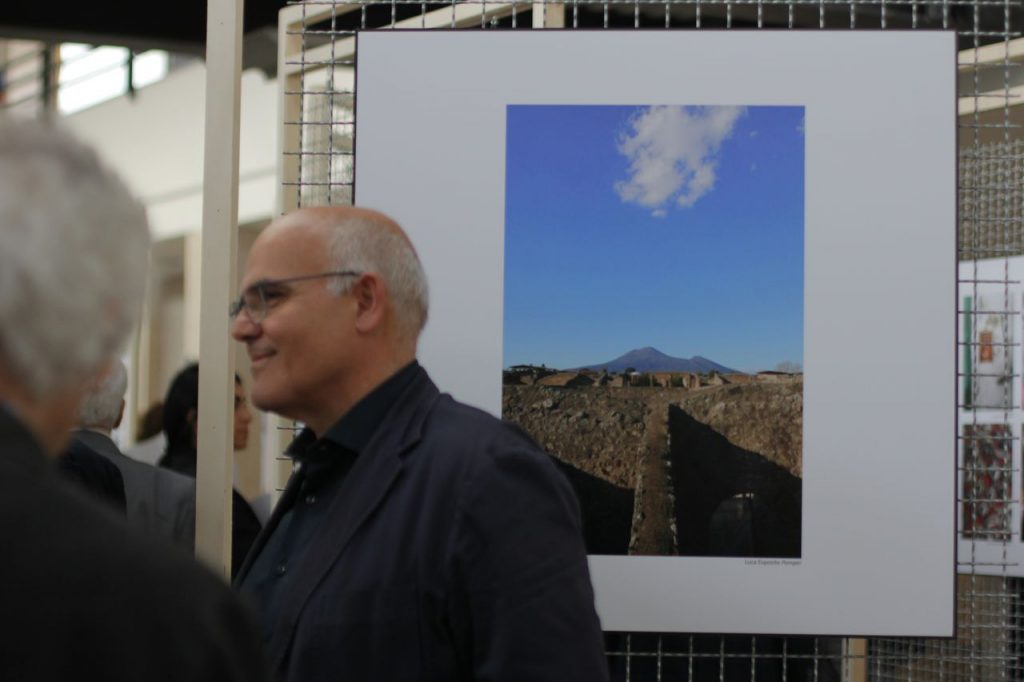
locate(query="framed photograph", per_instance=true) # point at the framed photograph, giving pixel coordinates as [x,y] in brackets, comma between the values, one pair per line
[987,481]
[989,321]
[618,223]
[687,274]
[990,532]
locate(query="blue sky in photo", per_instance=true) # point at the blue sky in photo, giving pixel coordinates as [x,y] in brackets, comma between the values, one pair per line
[680,228]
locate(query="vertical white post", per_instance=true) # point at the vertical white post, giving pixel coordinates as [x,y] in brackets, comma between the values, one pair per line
[548,14]
[193,303]
[855,653]
[141,362]
[219,247]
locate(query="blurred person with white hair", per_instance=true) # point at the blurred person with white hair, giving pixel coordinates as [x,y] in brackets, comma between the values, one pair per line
[89,598]
[159,502]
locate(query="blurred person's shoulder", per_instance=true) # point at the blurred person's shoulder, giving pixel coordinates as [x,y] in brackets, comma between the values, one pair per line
[93,598]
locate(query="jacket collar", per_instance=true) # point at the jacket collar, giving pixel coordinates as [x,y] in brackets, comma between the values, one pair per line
[98,442]
[363,490]
[22,451]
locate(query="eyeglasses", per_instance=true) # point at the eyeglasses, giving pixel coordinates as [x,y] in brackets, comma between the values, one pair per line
[258,297]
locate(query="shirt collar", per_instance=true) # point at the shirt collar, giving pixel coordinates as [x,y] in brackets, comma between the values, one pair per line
[355,429]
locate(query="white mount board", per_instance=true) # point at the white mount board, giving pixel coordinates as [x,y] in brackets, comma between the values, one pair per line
[879,278]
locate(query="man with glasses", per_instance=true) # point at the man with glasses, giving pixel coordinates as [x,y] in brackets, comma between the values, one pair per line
[418,538]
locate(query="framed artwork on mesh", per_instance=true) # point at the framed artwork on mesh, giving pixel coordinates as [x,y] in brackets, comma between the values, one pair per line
[674,260]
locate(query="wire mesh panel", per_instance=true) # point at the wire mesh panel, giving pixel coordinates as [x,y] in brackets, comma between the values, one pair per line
[991,197]
[316,78]
[326,143]
[987,645]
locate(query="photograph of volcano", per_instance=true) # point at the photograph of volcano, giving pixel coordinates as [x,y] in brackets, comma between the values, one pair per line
[654,319]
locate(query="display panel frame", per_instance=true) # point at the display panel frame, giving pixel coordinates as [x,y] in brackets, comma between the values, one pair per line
[880,220]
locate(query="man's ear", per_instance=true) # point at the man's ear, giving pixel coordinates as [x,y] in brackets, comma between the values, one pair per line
[371,300]
[120,415]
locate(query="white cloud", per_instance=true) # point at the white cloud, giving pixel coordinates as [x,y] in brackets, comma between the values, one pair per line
[672,154]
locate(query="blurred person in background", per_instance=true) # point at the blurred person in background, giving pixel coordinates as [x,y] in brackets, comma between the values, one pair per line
[150,443]
[159,502]
[181,423]
[96,474]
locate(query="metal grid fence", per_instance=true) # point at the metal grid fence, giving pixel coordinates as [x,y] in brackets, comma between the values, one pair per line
[317,88]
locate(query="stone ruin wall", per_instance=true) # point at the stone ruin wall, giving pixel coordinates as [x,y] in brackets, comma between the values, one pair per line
[601,429]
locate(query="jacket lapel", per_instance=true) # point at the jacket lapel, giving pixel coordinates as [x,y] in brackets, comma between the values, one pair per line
[364,489]
[98,442]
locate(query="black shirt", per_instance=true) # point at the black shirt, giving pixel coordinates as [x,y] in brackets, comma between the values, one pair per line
[321,467]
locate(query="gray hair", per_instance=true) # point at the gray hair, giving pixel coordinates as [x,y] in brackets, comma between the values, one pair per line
[362,243]
[101,408]
[73,256]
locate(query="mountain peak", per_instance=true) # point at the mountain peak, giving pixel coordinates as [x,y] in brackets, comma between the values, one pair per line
[650,359]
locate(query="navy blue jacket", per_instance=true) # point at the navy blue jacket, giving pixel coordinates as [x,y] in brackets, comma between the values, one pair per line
[452,551]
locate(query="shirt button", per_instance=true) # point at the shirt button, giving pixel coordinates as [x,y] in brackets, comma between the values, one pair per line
[282,568]
[310,499]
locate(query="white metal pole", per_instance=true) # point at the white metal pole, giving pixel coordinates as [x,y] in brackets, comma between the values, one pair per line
[548,14]
[219,248]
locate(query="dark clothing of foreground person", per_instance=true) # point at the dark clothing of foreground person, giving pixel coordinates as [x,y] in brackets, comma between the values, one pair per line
[90,599]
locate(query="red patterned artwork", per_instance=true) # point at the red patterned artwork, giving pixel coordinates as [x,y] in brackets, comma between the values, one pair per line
[987,480]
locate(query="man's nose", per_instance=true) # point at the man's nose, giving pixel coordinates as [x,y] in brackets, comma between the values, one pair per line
[242,327]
